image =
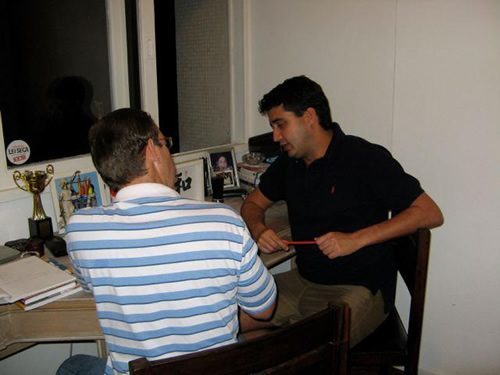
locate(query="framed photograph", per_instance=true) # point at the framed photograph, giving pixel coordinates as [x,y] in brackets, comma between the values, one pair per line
[190,179]
[75,191]
[222,162]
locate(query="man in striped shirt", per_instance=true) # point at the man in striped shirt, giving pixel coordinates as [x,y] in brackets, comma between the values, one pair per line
[169,275]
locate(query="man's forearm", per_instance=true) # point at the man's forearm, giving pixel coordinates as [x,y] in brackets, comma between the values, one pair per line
[254,217]
[423,213]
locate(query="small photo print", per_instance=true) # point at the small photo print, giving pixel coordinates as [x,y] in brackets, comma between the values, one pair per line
[228,177]
[223,163]
[76,191]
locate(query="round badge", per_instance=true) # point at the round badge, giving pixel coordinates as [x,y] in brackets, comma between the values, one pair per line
[18,152]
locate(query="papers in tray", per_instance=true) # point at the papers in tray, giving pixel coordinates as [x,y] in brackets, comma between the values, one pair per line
[250,173]
[32,282]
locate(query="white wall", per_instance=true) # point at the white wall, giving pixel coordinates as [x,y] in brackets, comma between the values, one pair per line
[346,46]
[422,78]
[448,99]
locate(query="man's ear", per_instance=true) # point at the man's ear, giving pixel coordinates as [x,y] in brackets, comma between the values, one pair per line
[151,152]
[311,116]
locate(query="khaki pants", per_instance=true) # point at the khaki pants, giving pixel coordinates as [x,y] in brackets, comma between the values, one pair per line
[299,298]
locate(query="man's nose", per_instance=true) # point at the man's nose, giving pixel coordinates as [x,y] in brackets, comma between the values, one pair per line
[277,135]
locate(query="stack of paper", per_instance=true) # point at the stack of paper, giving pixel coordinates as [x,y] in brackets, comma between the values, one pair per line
[251,173]
[32,282]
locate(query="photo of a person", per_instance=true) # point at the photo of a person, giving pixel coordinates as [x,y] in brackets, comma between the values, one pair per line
[227,175]
[223,163]
[65,203]
[220,162]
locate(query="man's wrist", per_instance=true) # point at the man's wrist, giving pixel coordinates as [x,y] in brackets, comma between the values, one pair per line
[257,231]
[360,239]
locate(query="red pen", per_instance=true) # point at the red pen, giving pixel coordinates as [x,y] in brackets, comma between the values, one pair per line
[299,242]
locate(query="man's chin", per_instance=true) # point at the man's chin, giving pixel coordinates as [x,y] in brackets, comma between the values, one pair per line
[291,152]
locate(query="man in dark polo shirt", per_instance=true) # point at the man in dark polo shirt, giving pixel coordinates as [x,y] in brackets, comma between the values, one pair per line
[344,193]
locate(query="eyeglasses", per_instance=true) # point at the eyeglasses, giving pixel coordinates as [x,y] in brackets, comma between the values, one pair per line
[168,142]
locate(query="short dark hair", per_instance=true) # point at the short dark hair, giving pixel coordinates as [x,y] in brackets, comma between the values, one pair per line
[117,143]
[297,94]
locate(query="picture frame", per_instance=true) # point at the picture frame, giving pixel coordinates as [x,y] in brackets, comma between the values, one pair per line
[190,179]
[75,191]
[222,162]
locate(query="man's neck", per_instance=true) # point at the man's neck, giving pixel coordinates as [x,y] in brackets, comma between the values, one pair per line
[141,180]
[320,141]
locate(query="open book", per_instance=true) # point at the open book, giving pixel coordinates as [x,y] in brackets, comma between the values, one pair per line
[34,282]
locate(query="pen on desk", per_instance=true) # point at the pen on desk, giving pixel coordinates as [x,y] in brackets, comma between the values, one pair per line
[299,242]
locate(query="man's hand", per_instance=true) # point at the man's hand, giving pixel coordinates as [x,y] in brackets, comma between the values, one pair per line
[252,211]
[337,244]
[270,242]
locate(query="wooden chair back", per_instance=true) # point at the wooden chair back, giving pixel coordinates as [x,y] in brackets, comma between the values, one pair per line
[390,345]
[318,344]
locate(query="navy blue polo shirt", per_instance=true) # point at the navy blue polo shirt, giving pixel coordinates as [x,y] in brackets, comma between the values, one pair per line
[354,185]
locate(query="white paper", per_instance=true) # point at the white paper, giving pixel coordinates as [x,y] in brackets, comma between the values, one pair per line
[28,276]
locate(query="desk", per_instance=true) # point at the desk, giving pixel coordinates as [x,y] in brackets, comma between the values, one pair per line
[74,318]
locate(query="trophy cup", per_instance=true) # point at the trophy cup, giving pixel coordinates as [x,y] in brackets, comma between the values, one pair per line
[34,182]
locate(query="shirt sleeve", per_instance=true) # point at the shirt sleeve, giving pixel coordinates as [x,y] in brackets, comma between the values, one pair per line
[70,240]
[272,181]
[395,188]
[256,287]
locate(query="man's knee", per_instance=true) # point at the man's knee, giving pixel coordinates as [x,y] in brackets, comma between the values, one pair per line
[82,364]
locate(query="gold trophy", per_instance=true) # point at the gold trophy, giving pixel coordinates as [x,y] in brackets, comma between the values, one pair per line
[35,182]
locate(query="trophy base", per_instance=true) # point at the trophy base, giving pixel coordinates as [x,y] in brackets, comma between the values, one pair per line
[41,228]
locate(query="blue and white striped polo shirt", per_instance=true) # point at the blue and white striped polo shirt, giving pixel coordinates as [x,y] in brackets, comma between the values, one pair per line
[167,273]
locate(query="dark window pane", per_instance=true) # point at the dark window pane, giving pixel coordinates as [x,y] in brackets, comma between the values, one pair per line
[54,72]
